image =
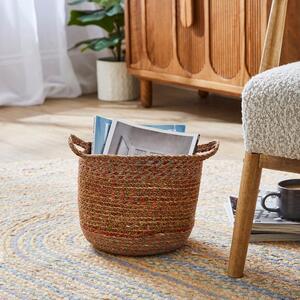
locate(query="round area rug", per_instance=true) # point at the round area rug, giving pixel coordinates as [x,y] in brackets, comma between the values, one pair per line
[43,254]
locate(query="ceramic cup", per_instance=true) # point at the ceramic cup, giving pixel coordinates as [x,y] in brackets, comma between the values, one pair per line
[288,200]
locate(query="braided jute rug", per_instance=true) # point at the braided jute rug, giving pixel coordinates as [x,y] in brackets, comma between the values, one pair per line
[43,254]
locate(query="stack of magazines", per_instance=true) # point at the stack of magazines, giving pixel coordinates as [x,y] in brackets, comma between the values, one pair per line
[267,226]
[122,138]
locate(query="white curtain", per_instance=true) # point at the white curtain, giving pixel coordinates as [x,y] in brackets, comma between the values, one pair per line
[34,58]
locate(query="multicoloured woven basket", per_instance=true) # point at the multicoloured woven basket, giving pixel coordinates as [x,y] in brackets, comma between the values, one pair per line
[138,205]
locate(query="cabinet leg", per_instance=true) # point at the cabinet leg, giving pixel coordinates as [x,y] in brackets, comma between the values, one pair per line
[203,94]
[146,92]
[245,212]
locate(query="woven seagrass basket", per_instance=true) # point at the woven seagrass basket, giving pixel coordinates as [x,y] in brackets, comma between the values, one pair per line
[138,205]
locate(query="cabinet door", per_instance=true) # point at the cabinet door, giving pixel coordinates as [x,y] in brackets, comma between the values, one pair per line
[134,30]
[255,14]
[190,40]
[158,17]
[225,37]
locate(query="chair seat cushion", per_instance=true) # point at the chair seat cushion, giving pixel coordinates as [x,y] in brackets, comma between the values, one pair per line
[271,112]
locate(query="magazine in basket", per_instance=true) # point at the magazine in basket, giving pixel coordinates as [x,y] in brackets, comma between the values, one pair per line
[102,127]
[267,226]
[128,139]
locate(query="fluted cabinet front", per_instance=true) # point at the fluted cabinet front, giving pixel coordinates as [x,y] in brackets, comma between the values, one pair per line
[219,50]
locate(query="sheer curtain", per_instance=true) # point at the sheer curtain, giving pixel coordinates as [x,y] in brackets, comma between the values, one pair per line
[34,60]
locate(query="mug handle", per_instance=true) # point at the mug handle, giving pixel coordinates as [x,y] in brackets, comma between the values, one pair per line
[263,204]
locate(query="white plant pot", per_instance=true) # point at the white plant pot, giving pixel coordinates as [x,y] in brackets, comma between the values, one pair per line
[114,82]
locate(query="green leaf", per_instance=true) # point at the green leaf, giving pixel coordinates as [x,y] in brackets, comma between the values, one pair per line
[108,3]
[119,20]
[103,44]
[82,43]
[75,2]
[103,3]
[100,44]
[93,16]
[114,10]
[86,17]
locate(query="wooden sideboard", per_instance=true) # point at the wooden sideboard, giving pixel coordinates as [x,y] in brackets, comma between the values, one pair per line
[211,45]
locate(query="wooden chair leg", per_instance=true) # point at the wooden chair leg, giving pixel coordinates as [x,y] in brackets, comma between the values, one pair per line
[146,92]
[249,187]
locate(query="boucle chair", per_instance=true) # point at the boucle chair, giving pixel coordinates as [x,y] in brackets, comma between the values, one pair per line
[271,124]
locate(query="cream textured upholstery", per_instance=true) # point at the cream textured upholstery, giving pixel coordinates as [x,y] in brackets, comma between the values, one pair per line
[271,112]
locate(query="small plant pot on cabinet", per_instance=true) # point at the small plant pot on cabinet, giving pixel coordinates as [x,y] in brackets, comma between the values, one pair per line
[114,82]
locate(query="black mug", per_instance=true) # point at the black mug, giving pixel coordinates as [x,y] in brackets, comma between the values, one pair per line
[289,200]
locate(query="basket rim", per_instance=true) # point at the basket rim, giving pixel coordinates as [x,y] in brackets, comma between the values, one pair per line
[203,151]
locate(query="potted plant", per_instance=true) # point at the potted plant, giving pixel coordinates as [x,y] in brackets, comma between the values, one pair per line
[114,82]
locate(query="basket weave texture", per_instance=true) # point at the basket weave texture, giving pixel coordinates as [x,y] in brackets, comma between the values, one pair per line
[138,205]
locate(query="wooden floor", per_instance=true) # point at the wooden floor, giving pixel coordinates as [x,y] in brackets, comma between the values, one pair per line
[40,132]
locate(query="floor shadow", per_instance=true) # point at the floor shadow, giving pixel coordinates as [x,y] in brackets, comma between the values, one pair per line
[188,101]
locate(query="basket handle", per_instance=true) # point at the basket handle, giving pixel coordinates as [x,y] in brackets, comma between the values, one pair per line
[207,150]
[75,141]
